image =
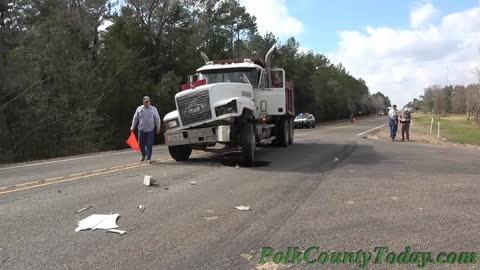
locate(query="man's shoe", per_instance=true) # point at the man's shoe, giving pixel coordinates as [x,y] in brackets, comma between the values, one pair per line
[143,159]
[149,161]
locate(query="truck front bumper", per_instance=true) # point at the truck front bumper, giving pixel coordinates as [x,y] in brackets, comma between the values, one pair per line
[198,135]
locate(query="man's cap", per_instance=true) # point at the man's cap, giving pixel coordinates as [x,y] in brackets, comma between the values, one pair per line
[146,98]
[395,106]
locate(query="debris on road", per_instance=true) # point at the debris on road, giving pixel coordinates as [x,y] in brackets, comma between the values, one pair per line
[93,222]
[117,231]
[210,211]
[236,166]
[394,198]
[147,180]
[351,202]
[166,188]
[141,208]
[336,159]
[351,171]
[210,218]
[247,257]
[193,183]
[84,208]
[242,208]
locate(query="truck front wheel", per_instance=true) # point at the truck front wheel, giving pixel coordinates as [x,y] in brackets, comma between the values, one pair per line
[282,133]
[180,152]
[290,131]
[248,143]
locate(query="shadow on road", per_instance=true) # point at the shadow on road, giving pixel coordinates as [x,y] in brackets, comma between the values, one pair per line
[302,158]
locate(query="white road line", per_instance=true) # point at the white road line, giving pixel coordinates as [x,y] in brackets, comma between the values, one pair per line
[71,159]
[359,134]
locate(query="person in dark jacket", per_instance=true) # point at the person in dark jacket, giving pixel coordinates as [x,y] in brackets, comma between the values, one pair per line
[405,119]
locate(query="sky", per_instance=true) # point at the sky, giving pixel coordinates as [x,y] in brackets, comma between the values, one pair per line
[397,47]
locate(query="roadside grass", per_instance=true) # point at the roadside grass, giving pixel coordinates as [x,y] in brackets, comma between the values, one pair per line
[454,128]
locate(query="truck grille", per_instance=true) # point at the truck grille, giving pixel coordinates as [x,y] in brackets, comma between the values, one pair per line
[194,107]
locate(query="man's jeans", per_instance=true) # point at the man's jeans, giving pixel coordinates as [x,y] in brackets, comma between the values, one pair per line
[145,140]
[393,128]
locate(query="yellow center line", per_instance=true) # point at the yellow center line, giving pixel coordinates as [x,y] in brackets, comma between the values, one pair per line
[51,181]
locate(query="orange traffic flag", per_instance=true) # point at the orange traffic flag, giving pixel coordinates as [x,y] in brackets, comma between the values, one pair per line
[132,141]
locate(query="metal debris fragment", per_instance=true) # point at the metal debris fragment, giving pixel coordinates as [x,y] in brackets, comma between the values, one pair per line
[242,208]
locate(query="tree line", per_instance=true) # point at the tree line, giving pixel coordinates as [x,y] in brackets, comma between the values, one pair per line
[69,86]
[458,99]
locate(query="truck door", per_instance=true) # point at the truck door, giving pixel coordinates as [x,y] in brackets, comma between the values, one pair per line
[272,98]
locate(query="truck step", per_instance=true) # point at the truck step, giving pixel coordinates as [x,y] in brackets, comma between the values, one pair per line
[268,126]
[268,140]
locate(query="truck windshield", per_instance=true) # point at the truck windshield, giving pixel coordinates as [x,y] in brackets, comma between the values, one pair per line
[230,75]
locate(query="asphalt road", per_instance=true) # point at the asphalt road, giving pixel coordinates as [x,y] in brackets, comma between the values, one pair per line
[332,189]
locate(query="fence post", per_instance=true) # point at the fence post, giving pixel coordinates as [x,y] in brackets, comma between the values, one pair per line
[431,126]
[438,131]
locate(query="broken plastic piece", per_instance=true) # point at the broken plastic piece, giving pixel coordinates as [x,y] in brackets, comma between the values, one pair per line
[147,180]
[84,208]
[193,183]
[336,159]
[141,208]
[105,222]
[243,208]
[117,231]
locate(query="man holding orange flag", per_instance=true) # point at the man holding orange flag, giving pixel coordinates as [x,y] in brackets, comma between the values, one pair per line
[148,120]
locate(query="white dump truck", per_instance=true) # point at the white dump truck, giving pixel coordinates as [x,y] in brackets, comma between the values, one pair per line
[237,103]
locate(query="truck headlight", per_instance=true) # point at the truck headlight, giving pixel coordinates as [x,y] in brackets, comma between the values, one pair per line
[172,123]
[230,107]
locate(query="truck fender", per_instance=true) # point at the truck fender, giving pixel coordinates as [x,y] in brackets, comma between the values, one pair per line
[242,103]
[170,116]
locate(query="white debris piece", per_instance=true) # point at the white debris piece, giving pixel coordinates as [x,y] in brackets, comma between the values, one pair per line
[84,208]
[236,166]
[105,222]
[117,231]
[351,202]
[141,207]
[147,180]
[193,183]
[242,208]
[336,159]
[210,218]
[394,198]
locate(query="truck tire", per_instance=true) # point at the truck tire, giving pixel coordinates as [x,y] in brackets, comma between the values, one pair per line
[291,132]
[248,143]
[180,152]
[282,136]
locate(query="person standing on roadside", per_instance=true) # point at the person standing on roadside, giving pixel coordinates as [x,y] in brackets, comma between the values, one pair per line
[393,121]
[405,118]
[148,120]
